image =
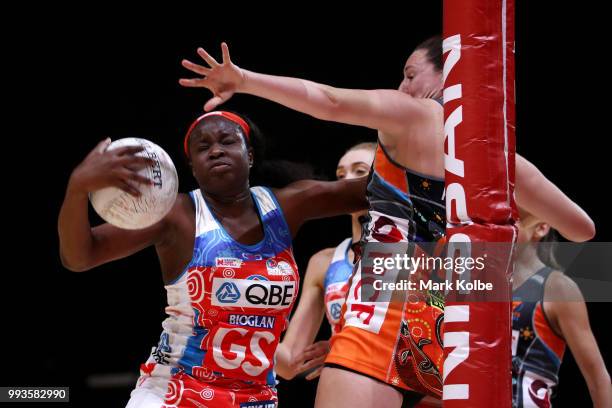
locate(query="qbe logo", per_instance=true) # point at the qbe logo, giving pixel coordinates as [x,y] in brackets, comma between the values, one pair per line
[253,293]
[228,293]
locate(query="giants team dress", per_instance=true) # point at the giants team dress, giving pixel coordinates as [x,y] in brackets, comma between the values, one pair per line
[226,314]
[537,351]
[397,341]
[336,284]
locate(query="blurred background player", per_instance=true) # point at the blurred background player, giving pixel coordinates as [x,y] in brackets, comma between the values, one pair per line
[325,285]
[548,313]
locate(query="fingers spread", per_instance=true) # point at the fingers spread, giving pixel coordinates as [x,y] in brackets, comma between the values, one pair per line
[194,82]
[226,54]
[206,57]
[213,103]
[198,69]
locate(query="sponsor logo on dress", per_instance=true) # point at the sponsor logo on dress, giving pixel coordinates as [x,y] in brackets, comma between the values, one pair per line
[228,262]
[227,293]
[263,322]
[253,293]
[281,268]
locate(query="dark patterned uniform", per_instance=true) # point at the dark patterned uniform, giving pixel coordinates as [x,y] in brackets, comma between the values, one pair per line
[537,351]
[396,340]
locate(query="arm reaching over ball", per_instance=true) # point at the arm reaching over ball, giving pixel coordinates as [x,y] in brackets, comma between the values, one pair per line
[83,247]
[397,115]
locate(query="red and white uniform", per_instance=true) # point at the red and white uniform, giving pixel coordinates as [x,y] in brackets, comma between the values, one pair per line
[226,313]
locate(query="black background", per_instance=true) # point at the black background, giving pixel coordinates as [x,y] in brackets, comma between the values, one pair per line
[81,74]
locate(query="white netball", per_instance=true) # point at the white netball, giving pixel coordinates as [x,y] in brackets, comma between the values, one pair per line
[128,212]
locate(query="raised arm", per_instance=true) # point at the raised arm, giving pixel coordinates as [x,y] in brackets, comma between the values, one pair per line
[540,197]
[391,112]
[306,320]
[83,247]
